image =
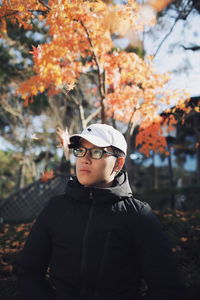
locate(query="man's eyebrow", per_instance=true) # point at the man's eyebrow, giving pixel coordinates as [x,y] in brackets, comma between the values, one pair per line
[94,147]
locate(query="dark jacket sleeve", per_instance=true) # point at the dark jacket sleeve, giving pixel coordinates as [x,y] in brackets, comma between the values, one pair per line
[34,260]
[156,261]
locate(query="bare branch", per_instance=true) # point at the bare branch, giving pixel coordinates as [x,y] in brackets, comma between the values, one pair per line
[78,103]
[94,56]
[82,115]
[10,14]
[45,5]
[166,36]
[30,10]
[55,111]
[101,81]
[70,96]
[10,109]
[130,126]
[193,48]
[93,115]
[104,81]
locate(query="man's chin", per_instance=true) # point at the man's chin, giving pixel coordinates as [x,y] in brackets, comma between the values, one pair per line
[85,181]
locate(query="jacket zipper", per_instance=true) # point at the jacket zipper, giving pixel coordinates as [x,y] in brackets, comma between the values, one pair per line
[83,256]
[102,263]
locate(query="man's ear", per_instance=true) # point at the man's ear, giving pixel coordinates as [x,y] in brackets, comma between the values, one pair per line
[119,164]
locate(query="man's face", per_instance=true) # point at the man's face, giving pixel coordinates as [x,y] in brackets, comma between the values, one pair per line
[95,172]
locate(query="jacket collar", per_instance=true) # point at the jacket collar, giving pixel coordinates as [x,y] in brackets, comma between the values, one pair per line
[120,189]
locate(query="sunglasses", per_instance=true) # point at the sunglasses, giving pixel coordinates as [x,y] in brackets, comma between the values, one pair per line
[95,153]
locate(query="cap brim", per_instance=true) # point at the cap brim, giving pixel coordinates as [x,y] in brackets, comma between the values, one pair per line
[95,140]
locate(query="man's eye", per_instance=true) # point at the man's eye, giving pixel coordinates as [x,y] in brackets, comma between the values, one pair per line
[80,150]
[96,152]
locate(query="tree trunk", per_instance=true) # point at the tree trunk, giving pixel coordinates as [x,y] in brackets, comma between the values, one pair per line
[155,173]
[198,163]
[19,178]
[171,179]
[82,116]
[197,134]
[128,163]
[103,114]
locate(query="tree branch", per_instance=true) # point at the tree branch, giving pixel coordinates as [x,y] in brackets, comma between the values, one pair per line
[13,111]
[66,93]
[101,84]
[130,126]
[93,115]
[193,48]
[166,36]
[94,55]
[82,115]
[45,5]
[104,81]
[31,10]
[10,14]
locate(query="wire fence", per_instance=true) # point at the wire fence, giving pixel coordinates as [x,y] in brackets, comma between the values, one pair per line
[28,202]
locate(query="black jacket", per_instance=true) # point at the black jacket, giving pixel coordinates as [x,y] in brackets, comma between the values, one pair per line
[97,245]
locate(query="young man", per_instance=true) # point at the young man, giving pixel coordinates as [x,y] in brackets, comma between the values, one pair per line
[96,241]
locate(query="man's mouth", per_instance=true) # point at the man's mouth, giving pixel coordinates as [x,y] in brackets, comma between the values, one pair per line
[84,171]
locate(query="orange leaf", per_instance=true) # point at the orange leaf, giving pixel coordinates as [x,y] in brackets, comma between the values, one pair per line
[184,239]
[47,175]
[159,5]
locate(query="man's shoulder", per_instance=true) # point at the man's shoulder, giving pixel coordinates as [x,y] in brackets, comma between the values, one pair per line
[138,206]
[57,203]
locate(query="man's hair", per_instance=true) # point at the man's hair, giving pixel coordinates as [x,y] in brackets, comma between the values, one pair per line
[118,152]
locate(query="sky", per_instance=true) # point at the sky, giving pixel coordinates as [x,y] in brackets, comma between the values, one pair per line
[172,57]
[189,165]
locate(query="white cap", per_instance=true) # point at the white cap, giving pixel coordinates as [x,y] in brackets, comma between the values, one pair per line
[102,135]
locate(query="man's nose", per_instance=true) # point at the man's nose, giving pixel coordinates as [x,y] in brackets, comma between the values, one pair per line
[87,157]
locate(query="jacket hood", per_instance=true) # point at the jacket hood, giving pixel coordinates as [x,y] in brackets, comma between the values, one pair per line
[120,189]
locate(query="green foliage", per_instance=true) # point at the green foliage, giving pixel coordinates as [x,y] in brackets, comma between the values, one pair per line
[6,69]
[27,38]
[8,173]
[39,104]
[15,57]
[138,50]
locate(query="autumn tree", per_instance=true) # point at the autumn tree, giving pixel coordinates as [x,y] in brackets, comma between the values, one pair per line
[128,88]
